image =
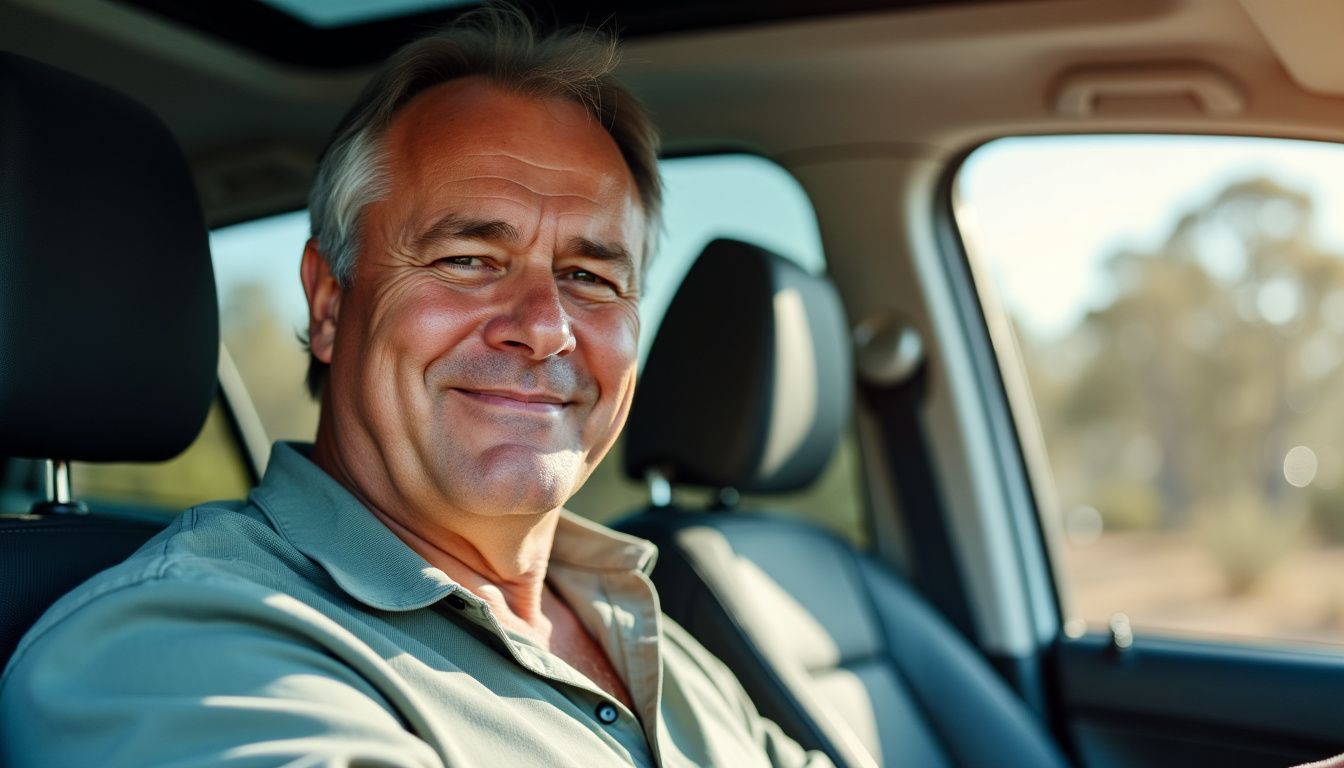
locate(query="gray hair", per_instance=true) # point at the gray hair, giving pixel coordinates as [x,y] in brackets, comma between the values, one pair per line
[500,44]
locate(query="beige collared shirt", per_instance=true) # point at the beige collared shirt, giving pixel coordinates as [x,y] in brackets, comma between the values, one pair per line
[295,628]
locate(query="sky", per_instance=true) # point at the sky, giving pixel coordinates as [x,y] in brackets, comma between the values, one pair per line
[1043,213]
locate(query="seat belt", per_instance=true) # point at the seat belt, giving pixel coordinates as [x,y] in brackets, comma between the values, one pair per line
[898,408]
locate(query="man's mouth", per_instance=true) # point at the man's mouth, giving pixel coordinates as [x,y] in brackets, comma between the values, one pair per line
[532,402]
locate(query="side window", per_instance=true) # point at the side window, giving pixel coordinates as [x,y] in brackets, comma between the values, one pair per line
[263,313]
[257,267]
[1177,305]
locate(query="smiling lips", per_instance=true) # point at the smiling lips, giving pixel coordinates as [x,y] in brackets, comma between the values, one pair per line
[529,402]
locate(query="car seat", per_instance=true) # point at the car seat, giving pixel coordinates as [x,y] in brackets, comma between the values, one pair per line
[748,386]
[109,331]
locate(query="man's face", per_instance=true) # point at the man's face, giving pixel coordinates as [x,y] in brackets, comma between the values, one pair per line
[484,359]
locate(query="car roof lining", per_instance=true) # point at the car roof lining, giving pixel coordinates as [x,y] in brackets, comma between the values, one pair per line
[267,30]
[920,81]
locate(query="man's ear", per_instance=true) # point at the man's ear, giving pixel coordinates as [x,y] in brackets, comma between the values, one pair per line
[324,301]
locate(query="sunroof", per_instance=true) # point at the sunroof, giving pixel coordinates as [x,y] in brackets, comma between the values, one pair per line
[361,33]
[343,13]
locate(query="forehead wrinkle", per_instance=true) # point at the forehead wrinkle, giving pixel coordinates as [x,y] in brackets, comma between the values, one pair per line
[500,164]
[537,192]
[454,226]
[509,156]
[485,218]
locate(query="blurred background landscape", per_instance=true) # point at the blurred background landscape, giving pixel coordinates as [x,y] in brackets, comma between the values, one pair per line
[1191,405]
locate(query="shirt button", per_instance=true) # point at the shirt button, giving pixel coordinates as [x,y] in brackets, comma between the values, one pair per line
[607,713]
[457,602]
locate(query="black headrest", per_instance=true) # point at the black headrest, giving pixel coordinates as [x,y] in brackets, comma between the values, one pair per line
[109,332]
[748,384]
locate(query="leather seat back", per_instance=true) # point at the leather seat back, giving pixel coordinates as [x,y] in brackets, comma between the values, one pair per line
[829,642]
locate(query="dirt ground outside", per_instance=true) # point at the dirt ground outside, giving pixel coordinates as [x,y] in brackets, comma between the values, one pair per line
[1169,584]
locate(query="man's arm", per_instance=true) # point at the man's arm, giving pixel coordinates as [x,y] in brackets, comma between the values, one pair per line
[193,673]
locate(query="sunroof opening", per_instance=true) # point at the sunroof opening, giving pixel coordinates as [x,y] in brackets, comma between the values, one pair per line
[328,14]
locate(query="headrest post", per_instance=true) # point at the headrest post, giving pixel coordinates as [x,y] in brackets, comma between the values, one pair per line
[60,491]
[660,490]
[58,481]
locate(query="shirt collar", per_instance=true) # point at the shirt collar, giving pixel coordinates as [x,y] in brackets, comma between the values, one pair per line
[583,544]
[321,519]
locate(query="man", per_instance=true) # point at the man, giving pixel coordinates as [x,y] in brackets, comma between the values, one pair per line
[410,591]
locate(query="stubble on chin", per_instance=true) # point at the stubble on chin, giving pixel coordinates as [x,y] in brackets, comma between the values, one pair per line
[499,474]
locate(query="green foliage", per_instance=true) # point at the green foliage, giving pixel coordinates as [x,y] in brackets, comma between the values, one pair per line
[1177,403]
[271,360]
[1128,506]
[1327,515]
[1247,537]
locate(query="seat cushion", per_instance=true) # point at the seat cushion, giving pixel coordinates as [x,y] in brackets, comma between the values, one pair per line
[42,558]
[834,646]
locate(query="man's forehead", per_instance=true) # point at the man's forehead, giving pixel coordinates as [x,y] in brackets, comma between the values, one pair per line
[482,149]
[472,116]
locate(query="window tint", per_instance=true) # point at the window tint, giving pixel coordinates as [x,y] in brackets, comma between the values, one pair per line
[1177,304]
[263,309]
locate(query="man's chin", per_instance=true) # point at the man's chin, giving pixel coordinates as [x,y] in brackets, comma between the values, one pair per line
[515,481]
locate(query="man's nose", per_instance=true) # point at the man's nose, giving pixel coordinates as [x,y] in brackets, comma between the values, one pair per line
[532,319]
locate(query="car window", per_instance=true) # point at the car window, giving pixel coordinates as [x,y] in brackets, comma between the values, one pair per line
[263,310]
[1177,307]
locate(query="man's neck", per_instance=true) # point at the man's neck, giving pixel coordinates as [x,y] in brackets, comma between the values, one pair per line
[503,563]
[501,559]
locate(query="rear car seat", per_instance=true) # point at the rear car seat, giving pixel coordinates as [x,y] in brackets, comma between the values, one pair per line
[109,333]
[748,386]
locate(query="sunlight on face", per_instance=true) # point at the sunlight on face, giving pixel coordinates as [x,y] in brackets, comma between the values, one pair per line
[484,359]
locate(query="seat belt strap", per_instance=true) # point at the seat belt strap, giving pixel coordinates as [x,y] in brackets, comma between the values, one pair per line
[908,454]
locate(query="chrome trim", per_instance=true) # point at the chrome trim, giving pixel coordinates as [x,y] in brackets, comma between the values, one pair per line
[59,488]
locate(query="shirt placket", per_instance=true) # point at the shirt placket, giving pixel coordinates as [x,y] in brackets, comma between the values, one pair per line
[622,725]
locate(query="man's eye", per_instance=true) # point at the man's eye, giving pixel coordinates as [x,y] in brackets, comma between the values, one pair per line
[593,282]
[460,261]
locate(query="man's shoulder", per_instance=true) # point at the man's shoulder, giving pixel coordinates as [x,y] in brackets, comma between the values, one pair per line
[215,538]
[216,629]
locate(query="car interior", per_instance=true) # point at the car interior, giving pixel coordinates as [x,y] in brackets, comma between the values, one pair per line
[881,495]
[832,645]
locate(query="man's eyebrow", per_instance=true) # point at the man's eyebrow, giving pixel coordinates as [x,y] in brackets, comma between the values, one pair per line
[613,252]
[455,227]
